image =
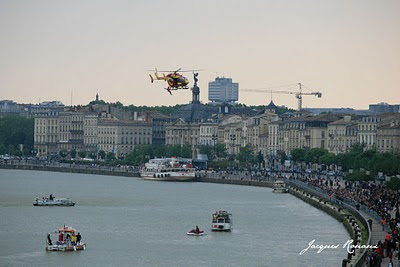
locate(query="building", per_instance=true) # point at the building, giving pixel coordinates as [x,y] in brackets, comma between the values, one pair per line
[208,133]
[342,134]
[9,107]
[231,133]
[366,131]
[273,138]
[223,90]
[64,134]
[388,134]
[46,134]
[306,131]
[316,130]
[183,133]
[384,108]
[159,121]
[121,137]
[90,137]
[340,111]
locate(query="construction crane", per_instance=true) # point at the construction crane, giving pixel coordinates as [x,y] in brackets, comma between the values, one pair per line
[298,95]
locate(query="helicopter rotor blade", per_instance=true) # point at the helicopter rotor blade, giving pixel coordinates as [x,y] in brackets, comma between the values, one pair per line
[178,70]
[191,70]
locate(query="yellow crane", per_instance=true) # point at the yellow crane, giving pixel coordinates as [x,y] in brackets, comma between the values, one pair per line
[298,95]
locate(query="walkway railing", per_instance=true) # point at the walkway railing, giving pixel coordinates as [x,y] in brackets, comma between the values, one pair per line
[350,207]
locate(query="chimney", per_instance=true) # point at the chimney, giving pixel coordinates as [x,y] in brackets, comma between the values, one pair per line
[347,118]
[135,116]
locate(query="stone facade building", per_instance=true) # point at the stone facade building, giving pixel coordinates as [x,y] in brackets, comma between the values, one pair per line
[342,134]
[366,131]
[46,133]
[388,134]
[121,137]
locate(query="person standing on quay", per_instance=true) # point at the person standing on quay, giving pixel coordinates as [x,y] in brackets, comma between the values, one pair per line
[370,223]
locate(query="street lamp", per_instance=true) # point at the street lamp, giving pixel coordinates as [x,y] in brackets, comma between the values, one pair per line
[214,138]
[232,137]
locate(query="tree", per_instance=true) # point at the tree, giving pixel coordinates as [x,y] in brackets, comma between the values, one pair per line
[394,183]
[159,151]
[141,154]
[3,149]
[260,159]
[102,154]
[11,149]
[82,154]
[282,156]
[298,154]
[220,151]
[172,150]
[186,152]
[327,159]
[246,155]
[208,150]
[63,153]
[110,156]
[14,131]
[92,155]
[73,153]
[358,176]
[313,155]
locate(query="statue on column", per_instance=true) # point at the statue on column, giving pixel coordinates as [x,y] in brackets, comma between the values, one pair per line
[195,74]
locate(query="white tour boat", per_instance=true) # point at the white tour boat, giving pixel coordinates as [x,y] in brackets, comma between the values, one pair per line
[169,169]
[52,201]
[222,221]
[280,187]
[67,240]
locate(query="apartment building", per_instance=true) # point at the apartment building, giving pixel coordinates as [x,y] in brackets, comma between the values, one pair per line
[121,137]
[46,130]
[342,134]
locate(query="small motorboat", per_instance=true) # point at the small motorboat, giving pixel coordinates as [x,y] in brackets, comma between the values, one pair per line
[193,232]
[67,240]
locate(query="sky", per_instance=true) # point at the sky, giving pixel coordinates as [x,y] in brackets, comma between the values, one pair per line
[347,49]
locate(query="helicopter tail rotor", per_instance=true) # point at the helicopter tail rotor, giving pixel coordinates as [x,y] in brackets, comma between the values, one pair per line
[151,77]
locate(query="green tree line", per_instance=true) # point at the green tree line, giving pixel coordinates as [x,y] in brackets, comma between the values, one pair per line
[168,110]
[141,154]
[357,158]
[14,131]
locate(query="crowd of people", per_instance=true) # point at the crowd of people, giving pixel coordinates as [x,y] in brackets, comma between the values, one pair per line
[375,198]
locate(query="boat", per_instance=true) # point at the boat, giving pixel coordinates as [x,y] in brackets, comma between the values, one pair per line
[280,187]
[222,221]
[194,233]
[67,240]
[52,201]
[169,169]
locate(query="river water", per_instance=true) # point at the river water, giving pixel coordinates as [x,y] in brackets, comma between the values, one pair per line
[132,222]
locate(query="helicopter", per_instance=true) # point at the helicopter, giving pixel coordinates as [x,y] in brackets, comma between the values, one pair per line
[175,80]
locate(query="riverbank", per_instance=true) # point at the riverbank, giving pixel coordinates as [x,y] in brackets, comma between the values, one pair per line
[72,169]
[236,182]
